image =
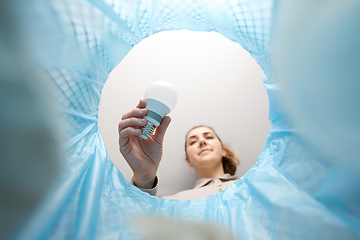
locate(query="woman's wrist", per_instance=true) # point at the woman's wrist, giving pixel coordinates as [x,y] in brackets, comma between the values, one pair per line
[144,182]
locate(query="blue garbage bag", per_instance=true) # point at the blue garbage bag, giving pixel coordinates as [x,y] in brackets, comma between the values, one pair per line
[293,191]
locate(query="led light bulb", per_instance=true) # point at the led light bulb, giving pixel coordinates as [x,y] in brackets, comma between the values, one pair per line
[161,98]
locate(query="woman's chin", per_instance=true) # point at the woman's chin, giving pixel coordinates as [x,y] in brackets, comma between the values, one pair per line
[208,159]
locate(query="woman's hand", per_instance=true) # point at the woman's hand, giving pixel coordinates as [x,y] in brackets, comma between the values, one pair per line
[143,156]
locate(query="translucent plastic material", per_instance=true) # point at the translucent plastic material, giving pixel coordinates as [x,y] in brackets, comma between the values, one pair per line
[291,193]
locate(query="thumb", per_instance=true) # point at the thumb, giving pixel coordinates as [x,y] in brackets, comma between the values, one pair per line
[161,129]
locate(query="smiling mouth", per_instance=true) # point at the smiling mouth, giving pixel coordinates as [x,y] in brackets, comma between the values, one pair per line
[205,150]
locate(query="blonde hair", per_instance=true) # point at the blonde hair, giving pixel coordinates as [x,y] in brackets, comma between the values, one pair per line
[230,161]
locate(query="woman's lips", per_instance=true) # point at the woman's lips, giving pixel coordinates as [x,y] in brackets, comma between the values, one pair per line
[205,150]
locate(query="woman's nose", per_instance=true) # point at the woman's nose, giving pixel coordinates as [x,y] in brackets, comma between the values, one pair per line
[202,143]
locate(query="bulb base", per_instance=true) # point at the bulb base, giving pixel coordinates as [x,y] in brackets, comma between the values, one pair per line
[147,130]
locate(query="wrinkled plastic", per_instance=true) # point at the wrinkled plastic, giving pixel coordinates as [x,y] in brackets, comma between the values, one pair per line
[291,193]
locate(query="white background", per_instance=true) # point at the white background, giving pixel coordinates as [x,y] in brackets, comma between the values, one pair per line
[218,84]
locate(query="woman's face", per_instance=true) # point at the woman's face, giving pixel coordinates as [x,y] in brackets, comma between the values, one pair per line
[203,149]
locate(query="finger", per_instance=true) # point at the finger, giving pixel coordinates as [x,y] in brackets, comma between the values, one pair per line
[161,129]
[126,133]
[141,104]
[131,122]
[137,112]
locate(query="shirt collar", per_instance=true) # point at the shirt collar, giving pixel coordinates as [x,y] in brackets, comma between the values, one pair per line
[224,178]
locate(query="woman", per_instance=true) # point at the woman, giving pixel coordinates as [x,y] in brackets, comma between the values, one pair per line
[214,163]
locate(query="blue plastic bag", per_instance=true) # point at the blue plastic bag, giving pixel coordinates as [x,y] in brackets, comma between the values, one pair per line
[292,192]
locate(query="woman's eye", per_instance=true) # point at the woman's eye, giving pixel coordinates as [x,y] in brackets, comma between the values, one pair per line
[191,143]
[209,137]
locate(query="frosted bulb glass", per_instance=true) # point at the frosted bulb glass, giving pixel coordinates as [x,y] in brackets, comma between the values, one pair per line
[161,98]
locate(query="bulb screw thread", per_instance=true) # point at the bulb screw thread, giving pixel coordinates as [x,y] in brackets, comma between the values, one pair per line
[148,130]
